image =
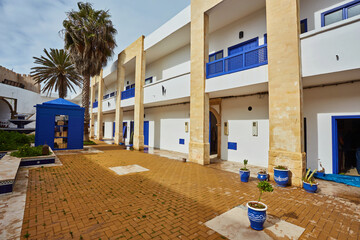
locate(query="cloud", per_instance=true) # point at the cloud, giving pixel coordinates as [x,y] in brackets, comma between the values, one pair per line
[27,27]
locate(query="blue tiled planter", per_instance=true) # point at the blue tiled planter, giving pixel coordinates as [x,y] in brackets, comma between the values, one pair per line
[244,175]
[257,217]
[262,176]
[309,188]
[281,177]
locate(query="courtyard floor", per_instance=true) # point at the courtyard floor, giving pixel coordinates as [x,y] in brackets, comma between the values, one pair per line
[84,199]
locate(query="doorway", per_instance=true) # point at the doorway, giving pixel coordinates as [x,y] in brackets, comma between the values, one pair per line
[213,134]
[346,145]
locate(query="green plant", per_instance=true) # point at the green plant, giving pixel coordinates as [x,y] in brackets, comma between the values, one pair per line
[262,171]
[309,177]
[56,71]
[263,186]
[281,167]
[13,140]
[27,235]
[27,151]
[89,143]
[245,163]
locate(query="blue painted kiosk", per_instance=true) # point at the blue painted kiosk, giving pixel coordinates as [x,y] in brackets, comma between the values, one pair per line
[59,124]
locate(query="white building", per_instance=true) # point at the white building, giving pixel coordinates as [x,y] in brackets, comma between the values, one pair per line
[237,83]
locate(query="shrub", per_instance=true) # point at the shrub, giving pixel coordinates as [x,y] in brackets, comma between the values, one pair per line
[13,140]
[89,142]
[27,151]
[280,167]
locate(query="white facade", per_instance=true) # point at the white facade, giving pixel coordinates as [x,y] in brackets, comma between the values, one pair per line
[329,55]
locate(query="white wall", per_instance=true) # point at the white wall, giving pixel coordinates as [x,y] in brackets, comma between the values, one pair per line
[320,104]
[172,65]
[167,126]
[252,26]
[318,51]
[235,112]
[108,120]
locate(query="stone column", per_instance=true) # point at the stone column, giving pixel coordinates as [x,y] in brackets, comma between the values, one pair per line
[199,147]
[92,100]
[118,110]
[99,129]
[138,139]
[285,88]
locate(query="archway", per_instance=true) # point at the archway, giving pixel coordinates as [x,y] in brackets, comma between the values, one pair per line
[215,132]
[6,110]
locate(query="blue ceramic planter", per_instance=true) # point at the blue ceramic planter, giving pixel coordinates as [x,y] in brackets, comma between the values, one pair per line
[244,175]
[257,217]
[262,176]
[309,188]
[281,177]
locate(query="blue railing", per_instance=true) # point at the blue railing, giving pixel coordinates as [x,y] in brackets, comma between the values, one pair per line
[245,60]
[128,93]
[95,104]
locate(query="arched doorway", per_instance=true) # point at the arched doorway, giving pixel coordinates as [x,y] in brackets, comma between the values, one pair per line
[6,111]
[214,132]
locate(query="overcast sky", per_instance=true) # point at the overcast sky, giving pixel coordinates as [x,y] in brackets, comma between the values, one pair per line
[29,26]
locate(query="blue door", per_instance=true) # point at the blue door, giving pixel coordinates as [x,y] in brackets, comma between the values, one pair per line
[113,129]
[245,46]
[146,133]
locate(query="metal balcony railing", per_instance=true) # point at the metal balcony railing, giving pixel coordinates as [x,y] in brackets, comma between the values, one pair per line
[128,93]
[245,60]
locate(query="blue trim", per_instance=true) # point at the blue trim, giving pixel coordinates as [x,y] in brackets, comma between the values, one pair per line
[95,104]
[182,141]
[214,54]
[232,145]
[304,21]
[106,96]
[130,93]
[149,78]
[265,38]
[243,44]
[344,7]
[146,133]
[261,58]
[113,129]
[335,152]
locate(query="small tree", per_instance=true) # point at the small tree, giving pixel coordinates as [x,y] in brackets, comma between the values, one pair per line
[245,163]
[264,186]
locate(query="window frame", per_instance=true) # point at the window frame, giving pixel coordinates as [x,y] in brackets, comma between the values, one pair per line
[148,79]
[214,54]
[256,39]
[306,25]
[344,8]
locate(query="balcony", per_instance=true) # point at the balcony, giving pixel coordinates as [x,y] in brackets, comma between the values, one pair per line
[130,93]
[238,62]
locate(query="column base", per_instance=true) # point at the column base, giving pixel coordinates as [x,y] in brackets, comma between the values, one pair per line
[138,142]
[199,153]
[295,161]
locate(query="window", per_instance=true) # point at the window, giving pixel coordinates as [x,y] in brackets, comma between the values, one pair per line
[130,86]
[216,56]
[61,131]
[303,26]
[148,80]
[346,11]
[244,46]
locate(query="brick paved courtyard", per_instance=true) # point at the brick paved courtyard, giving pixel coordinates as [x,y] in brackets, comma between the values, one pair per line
[83,199]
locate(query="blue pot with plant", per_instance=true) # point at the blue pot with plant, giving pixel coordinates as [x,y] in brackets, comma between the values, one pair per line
[281,175]
[262,175]
[257,209]
[309,183]
[244,172]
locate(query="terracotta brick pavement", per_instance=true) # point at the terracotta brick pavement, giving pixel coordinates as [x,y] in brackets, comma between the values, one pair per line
[83,199]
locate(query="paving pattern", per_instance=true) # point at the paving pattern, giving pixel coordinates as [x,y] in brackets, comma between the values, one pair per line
[84,199]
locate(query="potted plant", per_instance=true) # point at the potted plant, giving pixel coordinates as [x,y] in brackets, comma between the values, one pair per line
[321,173]
[309,183]
[262,175]
[257,209]
[244,172]
[281,175]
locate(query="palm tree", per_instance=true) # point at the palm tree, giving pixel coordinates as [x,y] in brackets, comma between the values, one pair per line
[56,71]
[90,39]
